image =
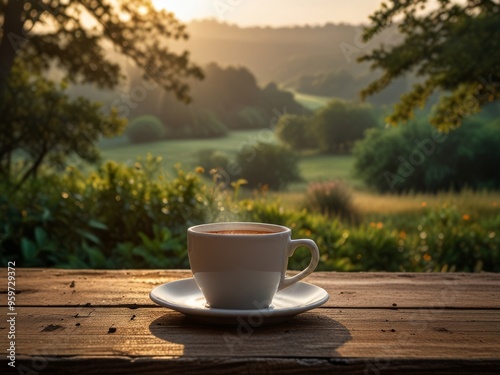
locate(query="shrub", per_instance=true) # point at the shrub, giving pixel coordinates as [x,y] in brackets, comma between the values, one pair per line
[144,129]
[337,126]
[294,130]
[216,161]
[447,240]
[212,159]
[333,198]
[201,124]
[118,216]
[416,157]
[439,240]
[268,164]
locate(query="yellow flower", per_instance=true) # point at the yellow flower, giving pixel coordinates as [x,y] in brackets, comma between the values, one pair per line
[423,204]
[380,225]
[199,170]
[466,217]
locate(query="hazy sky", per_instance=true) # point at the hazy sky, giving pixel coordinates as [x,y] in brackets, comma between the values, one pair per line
[273,12]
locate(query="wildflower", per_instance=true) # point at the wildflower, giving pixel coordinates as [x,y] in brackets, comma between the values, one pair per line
[427,257]
[402,234]
[199,170]
[380,225]
[423,204]
[466,217]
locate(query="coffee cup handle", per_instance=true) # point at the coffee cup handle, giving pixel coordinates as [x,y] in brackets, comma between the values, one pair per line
[311,245]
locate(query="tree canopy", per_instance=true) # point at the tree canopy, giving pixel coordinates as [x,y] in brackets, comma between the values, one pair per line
[41,124]
[78,35]
[452,46]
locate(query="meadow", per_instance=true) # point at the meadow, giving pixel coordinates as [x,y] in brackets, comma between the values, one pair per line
[129,214]
[313,167]
[447,231]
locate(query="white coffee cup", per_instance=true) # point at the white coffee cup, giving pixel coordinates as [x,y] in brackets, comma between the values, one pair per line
[240,265]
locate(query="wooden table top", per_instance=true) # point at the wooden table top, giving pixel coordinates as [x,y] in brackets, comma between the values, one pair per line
[93,321]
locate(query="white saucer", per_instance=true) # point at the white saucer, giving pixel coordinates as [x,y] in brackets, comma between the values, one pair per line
[185,296]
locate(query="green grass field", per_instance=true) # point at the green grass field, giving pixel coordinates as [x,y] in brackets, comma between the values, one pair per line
[313,167]
[184,151]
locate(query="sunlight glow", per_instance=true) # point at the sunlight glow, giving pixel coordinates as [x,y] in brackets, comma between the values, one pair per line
[185,10]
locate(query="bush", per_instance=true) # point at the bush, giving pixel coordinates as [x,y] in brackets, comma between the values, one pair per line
[145,129]
[201,123]
[268,164]
[438,240]
[131,217]
[212,159]
[294,130]
[337,126]
[416,157]
[118,216]
[332,198]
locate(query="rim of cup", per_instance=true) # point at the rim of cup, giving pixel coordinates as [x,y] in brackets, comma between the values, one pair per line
[209,228]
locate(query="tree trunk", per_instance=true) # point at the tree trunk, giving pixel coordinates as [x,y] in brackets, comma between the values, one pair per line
[12,38]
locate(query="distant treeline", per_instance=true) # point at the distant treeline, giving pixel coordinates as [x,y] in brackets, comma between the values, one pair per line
[319,60]
[227,99]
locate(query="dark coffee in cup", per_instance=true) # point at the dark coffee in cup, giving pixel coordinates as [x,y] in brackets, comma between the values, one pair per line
[239,231]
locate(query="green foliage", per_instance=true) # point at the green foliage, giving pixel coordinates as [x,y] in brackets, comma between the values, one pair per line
[346,84]
[332,198]
[212,159]
[135,28]
[145,129]
[251,118]
[229,98]
[44,126]
[268,164]
[295,131]
[438,240]
[337,126]
[454,241]
[136,217]
[279,101]
[416,157]
[202,124]
[454,47]
[118,216]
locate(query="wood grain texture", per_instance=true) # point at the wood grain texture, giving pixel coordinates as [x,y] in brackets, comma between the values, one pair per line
[231,366]
[321,333]
[49,287]
[93,322]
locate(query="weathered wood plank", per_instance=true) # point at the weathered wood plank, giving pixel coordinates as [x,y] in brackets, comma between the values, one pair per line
[45,287]
[442,323]
[130,287]
[230,366]
[453,335]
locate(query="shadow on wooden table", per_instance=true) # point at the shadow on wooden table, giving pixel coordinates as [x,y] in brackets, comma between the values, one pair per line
[302,336]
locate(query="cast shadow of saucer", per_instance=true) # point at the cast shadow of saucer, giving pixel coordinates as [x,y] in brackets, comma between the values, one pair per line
[307,335]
